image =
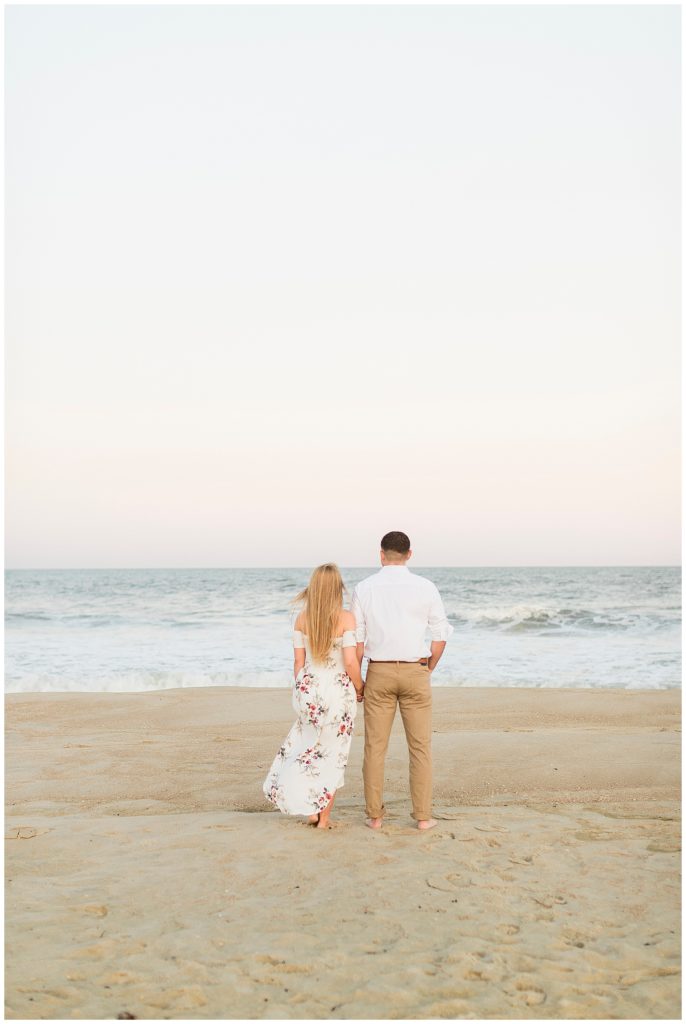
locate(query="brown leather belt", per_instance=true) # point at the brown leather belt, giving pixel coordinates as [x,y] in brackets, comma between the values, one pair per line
[398,661]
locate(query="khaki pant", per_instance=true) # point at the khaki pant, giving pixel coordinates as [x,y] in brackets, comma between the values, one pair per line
[387,685]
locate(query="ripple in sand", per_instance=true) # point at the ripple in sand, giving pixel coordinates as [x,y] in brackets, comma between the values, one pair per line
[665,845]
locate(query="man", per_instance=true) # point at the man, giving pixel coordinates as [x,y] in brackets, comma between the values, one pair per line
[393,610]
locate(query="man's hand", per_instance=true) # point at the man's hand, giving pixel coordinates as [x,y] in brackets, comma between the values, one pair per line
[437,648]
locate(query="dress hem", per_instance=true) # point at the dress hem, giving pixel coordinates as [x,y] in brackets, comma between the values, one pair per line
[310,810]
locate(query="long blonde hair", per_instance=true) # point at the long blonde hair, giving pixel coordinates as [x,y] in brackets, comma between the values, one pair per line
[323,600]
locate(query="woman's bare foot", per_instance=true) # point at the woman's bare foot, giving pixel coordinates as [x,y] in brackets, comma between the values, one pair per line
[427,823]
[325,815]
[313,819]
[373,822]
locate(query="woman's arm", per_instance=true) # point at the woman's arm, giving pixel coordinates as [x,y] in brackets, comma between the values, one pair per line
[350,658]
[298,652]
[298,660]
[352,667]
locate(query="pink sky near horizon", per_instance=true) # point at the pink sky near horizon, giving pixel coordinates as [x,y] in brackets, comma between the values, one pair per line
[281,280]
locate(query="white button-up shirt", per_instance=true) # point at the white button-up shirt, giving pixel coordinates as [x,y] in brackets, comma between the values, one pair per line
[393,610]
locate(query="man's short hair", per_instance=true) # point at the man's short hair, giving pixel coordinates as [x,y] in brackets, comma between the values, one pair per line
[395,541]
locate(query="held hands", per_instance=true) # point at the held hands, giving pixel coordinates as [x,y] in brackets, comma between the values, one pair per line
[360,694]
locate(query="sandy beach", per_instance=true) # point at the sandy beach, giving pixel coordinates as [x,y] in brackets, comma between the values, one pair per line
[147,874]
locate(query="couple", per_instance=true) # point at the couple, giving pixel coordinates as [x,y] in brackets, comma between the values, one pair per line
[391,612]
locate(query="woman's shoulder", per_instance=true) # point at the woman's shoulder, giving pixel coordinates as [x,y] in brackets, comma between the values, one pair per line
[346,621]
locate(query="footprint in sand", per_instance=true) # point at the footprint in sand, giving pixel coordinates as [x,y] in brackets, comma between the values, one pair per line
[508,929]
[548,901]
[491,828]
[25,832]
[444,883]
[573,937]
[595,835]
[93,909]
[528,992]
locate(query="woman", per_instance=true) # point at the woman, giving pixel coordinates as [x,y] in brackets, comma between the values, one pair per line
[310,765]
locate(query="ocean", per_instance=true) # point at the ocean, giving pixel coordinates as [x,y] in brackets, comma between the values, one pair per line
[151,629]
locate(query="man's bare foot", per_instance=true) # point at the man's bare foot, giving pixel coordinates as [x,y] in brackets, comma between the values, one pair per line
[373,822]
[427,823]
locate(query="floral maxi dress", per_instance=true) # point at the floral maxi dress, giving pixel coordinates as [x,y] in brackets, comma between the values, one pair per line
[310,764]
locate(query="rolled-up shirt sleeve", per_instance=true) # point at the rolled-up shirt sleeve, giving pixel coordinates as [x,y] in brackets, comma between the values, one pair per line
[360,625]
[439,627]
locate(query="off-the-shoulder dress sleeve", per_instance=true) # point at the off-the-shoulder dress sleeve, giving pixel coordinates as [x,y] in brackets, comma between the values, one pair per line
[349,638]
[298,638]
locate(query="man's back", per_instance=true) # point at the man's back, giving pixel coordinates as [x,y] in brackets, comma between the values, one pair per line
[393,609]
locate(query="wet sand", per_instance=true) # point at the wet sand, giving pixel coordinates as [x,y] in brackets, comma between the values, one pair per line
[148,874]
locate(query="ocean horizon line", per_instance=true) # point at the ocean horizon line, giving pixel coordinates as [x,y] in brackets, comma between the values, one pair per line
[437,565]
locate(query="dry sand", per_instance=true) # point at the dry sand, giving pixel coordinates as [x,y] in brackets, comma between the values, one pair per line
[146,872]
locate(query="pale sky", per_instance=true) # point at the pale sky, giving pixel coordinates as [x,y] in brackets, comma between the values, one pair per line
[280,279]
